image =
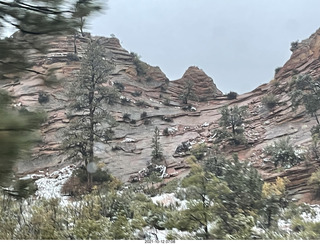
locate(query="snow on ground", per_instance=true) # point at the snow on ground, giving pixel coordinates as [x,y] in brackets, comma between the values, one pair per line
[50,185]
[168,199]
[309,218]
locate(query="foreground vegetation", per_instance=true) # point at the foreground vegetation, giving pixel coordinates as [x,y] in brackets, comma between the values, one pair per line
[221,198]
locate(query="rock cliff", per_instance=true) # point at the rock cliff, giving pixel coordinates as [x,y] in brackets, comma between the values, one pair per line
[151,92]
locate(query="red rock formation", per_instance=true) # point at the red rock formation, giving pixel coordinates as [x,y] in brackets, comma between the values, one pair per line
[133,141]
[204,87]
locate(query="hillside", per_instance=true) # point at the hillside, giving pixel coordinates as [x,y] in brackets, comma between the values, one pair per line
[147,89]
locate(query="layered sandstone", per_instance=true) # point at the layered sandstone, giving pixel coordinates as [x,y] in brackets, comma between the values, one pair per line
[130,150]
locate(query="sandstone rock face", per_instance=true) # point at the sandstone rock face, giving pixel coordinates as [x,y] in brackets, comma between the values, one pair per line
[130,150]
[204,87]
[304,58]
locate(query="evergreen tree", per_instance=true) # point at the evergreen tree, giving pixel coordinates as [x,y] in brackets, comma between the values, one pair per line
[33,19]
[188,92]
[90,119]
[202,191]
[234,117]
[306,91]
[17,133]
[157,150]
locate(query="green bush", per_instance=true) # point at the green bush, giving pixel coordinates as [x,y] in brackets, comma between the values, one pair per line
[221,134]
[232,95]
[141,103]
[141,67]
[119,86]
[99,176]
[283,154]
[147,122]
[315,131]
[43,97]
[72,57]
[143,115]
[165,131]
[199,150]
[277,70]
[136,93]
[24,188]
[126,116]
[270,101]
[294,45]
[314,181]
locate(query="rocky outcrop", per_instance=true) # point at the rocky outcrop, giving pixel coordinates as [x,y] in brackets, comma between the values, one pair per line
[304,59]
[181,128]
[203,86]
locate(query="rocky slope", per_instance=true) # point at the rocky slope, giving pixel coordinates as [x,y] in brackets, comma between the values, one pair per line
[152,92]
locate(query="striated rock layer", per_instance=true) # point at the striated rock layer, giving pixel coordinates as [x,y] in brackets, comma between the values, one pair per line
[130,150]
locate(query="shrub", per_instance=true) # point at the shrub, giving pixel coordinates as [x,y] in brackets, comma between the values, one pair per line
[232,95]
[72,57]
[24,188]
[136,93]
[126,116]
[143,115]
[294,46]
[149,79]
[167,119]
[314,181]
[283,154]
[314,148]
[315,131]
[124,100]
[140,66]
[270,101]
[163,88]
[43,97]
[165,132]
[199,151]
[133,121]
[147,122]
[221,134]
[277,70]
[239,139]
[119,86]
[99,176]
[141,103]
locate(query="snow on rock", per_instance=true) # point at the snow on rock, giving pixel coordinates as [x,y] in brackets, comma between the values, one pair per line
[50,185]
[205,124]
[128,140]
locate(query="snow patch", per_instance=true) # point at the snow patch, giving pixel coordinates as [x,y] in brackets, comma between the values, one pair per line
[128,140]
[50,186]
[168,199]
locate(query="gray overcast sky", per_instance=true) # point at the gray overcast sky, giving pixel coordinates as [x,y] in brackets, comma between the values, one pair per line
[238,43]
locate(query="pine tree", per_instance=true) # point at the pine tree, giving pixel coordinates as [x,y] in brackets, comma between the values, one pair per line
[157,150]
[233,117]
[202,190]
[306,91]
[90,97]
[34,19]
[188,92]
[17,128]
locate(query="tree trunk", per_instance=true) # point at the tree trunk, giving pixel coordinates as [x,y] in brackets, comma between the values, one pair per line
[74,44]
[315,114]
[81,25]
